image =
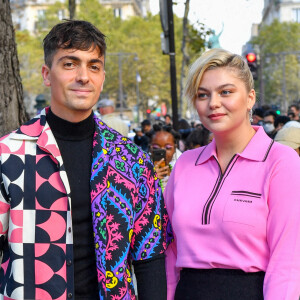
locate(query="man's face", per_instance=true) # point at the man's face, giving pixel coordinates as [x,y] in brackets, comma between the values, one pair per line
[269,119]
[76,79]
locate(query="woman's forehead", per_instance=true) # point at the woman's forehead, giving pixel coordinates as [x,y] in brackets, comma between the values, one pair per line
[163,136]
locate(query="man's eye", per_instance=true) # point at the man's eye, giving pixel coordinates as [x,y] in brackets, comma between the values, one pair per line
[95,68]
[68,64]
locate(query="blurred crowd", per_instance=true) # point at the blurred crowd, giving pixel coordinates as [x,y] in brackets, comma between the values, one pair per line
[156,135]
[191,135]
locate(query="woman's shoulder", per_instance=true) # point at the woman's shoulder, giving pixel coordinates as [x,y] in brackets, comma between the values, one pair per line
[280,152]
[190,155]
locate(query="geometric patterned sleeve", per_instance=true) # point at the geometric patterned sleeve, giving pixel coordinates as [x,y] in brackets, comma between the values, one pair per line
[4,212]
[150,235]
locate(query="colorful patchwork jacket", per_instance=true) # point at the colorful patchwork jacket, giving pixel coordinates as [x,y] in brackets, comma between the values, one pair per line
[36,243]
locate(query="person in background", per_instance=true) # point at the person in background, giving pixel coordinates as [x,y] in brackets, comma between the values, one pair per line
[168,120]
[106,108]
[258,116]
[79,202]
[184,129]
[291,124]
[280,121]
[269,120]
[293,112]
[142,135]
[289,136]
[234,205]
[164,137]
[197,138]
[146,126]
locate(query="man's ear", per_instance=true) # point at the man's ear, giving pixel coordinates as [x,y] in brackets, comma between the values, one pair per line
[102,82]
[46,75]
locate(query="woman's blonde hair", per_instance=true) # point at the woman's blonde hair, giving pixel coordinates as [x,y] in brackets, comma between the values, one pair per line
[212,59]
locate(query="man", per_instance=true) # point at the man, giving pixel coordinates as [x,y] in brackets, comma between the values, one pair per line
[106,109]
[258,116]
[142,137]
[78,201]
[269,120]
[294,112]
[168,120]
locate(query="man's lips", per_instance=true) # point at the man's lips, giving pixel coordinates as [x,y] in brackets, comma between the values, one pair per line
[81,92]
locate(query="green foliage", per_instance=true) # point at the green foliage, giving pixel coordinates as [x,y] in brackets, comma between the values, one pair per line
[134,44]
[30,55]
[275,42]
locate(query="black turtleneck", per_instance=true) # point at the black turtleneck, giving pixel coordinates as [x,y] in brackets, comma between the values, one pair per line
[75,142]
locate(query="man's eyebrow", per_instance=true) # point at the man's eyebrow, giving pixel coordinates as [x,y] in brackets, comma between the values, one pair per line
[75,58]
[96,60]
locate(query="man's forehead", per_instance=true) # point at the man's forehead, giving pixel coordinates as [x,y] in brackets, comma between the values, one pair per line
[91,53]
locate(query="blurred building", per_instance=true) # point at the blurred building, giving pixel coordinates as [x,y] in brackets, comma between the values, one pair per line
[26,13]
[283,10]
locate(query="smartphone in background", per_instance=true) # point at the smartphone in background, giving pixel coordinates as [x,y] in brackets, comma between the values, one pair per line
[158,154]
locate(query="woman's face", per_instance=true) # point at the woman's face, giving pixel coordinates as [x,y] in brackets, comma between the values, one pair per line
[222,101]
[164,140]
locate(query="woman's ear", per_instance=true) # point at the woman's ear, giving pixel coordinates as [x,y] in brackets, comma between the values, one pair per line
[251,99]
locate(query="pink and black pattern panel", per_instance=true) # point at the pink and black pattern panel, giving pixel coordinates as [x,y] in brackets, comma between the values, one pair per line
[37,251]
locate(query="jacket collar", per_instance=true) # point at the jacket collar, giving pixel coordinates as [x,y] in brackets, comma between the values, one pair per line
[257,149]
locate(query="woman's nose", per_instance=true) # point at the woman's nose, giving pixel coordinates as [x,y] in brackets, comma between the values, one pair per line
[215,101]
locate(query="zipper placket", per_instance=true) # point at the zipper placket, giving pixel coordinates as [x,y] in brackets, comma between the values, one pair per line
[210,201]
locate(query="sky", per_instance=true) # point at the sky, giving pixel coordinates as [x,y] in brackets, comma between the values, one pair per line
[236,15]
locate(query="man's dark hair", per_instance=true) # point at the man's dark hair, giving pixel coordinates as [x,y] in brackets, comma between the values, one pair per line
[259,112]
[146,122]
[281,120]
[73,34]
[270,112]
[296,106]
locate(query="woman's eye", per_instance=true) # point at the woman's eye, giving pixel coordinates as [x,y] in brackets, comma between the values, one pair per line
[168,147]
[202,96]
[225,92]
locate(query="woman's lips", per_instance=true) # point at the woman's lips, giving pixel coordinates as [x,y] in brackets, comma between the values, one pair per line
[216,116]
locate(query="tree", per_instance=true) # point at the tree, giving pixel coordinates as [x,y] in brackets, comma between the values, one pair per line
[12,111]
[279,45]
[72,9]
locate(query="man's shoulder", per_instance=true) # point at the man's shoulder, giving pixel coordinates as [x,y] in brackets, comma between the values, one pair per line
[30,130]
[115,139]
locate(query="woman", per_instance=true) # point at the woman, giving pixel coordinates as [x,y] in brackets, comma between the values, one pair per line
[164,137]
[234,204]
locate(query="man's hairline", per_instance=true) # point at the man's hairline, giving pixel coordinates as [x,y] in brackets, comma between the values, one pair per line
[75,49]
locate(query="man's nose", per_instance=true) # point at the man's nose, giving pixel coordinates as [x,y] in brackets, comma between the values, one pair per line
[82,75]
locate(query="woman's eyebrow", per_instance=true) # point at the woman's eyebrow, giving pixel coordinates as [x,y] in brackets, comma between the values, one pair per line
[219,87]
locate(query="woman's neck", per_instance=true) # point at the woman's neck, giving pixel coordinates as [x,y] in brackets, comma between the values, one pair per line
[228,144]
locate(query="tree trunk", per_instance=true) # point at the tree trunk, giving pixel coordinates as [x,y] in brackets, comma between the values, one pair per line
[12,110]
[185,56]
[72,8]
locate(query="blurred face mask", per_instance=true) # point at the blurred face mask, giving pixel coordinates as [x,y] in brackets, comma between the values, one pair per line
[268,127]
